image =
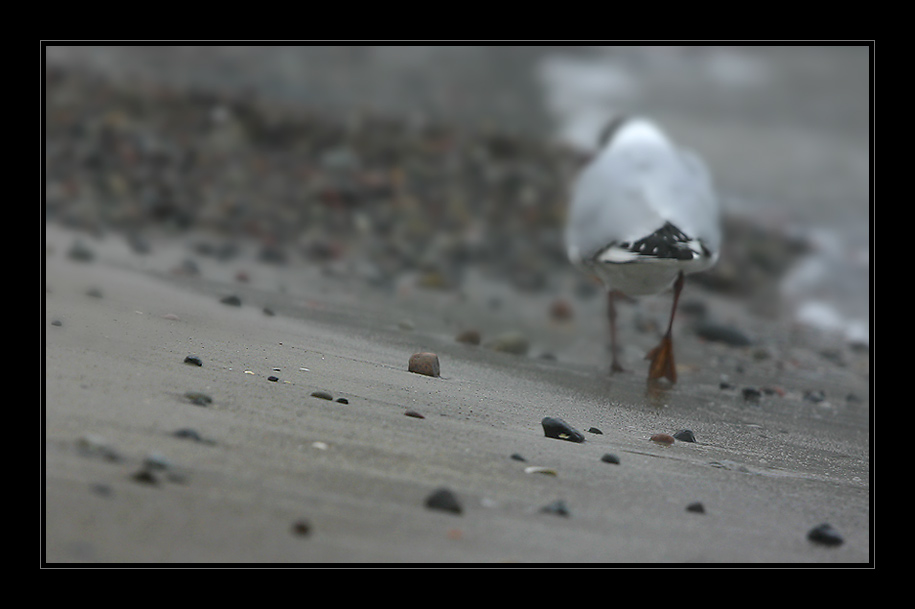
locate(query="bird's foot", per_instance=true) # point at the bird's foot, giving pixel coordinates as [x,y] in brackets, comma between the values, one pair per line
[662,361]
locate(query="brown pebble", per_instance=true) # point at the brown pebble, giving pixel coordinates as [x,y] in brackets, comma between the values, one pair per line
[301,527]
[561,310]
[414,414]
[424,363]
[471,337]
[662,438]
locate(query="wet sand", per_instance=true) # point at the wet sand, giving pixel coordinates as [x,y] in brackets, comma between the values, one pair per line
[355,476]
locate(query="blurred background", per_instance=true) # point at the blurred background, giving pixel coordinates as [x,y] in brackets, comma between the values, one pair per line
[450,163]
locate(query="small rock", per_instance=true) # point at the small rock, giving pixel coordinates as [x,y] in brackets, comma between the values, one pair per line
[471,337]
[517,457]
[91,445]
[144,476]
[231,300]
[751,394]
[722,333]
[272,378]
[80,252]
[685,435]
[188,434]
[815,396]
[198,398]
[324,395]
[193,360]
[94,292]
[414,414]
[557,428]
[342,401]
[301,527]
[539,469]
[557,508]
[696,507]
[444,500]
[268,312]
[595,430]
[825,534]
[424,363]
[510,342]
[662,438]
[57,323]
[610,458]
[561,310]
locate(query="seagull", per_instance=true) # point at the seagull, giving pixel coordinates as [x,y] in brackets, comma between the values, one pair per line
[643,214]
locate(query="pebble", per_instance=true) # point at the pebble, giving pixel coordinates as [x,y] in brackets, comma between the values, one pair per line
[696,507]
[557,428]
[610,458]
[301,527]
[342,401]
[517,457]
[231,300]
[751,394]
[662,438]
[414,414]
[539,469]
[91,445]
[815,396]
[444,500]
[595,430]
[470,337]
[273,378]
[144,476]
[57,323]
[825,534]
[721,333]
[558,508]
[510,342]
[188,434]
[198,398]
[424,363]
[194,360]
[685,435]
[324,395]
[80,252]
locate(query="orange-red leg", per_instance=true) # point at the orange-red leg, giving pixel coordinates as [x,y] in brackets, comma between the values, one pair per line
[662,356]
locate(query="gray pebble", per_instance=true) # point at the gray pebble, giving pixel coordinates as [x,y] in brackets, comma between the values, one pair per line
[444,500]
[558,508]
[610,458]
[825,534]
[193,360]
[685,435]
[324,395]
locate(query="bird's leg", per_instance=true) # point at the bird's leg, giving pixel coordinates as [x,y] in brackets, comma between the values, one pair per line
[662,356]
[612,296]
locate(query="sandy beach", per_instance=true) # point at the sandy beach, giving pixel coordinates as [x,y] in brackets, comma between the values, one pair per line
[355,476]
[234,288]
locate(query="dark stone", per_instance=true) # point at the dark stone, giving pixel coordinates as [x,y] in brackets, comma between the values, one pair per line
[815,396]
[194,360]
[610,458]
[144,476]
[414,414]
[342,401]
[751,394]
[198,398]
[301,527]
[696,507]
[557,508]
[518,457]
[444,500]
[324,395]
[557,428]
[595,430]
[685,435]
[188,434]
[826,535]
[722,334]
[273,378]
[231,300]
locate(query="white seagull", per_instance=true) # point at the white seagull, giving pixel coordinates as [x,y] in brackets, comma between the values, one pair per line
[643,214]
